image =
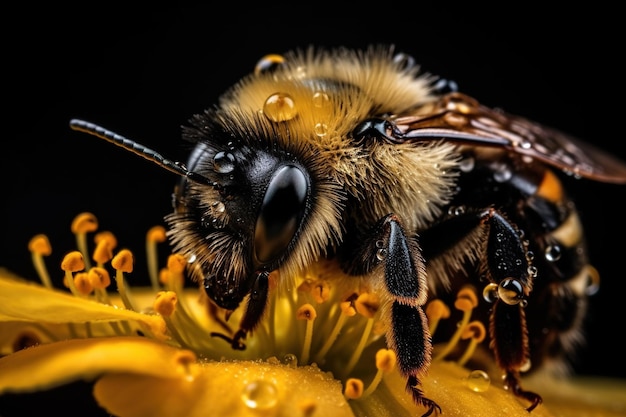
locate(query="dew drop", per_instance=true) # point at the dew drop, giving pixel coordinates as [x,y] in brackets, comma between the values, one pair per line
[553,253]
[478,381]
[268,64]
[290,360]
[321,100]
[502,175]
[381,254]
[490,292]
[526,144]
[321,129]
[260,395]
[467,164]
[280,107]
[510,291]
[223,162]
[217,207]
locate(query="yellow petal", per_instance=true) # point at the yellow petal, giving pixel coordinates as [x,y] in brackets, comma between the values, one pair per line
[446,384]
[242,389]
[53,364]
[26,301]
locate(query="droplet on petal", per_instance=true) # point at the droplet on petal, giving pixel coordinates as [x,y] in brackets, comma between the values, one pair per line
[478,381]
[260,395]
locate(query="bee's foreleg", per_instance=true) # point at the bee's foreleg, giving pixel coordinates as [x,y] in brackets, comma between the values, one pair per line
[405,283]
[255,308]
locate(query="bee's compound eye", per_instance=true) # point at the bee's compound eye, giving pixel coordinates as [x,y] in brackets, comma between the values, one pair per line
[281,212]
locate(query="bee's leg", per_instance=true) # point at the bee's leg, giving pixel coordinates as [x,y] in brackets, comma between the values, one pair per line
[508,265]
[388,250]
[254,311]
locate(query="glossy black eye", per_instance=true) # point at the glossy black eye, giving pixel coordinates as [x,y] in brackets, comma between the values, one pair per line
[281,212]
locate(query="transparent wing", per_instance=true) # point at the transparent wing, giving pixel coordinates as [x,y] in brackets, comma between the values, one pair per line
[460,118]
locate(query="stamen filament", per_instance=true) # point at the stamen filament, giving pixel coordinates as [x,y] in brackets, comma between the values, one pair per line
[123,262]
[476,332]
[83,224]
[466,301]
[385,362]
[307,312]
[356,355]
[347,310]
[155,235]
[39,247]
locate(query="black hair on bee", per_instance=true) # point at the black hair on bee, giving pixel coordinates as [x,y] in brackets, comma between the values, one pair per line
[332,156]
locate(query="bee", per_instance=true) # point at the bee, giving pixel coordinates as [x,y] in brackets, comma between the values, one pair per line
[361,161]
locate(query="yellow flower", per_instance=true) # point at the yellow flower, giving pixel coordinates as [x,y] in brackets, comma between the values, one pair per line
[164,351]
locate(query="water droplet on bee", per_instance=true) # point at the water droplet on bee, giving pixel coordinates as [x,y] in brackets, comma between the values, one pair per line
[321,100]
[321,129]
[223,162]
[478,381]
[467,164]
[280,107]
[268,64]
[510,291]
[260,395]
[381,254]
[218,207]
[553,253]
[490,292]
[456,210]
[503,174]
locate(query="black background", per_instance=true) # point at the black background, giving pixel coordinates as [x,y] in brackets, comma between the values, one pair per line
[144,72]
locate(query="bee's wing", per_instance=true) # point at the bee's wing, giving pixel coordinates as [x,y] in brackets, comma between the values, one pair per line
[460,118]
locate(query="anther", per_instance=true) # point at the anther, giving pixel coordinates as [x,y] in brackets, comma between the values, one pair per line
[103,252]
[123,262]
[72,262]
[435,311]
[354,389]
[82,283]
[39,246]
[367,305]
[476,332]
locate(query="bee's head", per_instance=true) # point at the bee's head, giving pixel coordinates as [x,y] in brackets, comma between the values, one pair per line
[264,205]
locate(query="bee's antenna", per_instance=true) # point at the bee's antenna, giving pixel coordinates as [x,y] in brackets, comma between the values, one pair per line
[138,149]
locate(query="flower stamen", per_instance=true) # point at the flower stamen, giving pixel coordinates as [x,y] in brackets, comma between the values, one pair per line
[123,262]
[72,262]
[435,311]
[466,301]
[366,305]
[154,236]
[354,389]
[476,332]
[385,362]
[347,310]
[307,312]
[39,246]
[84,223]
